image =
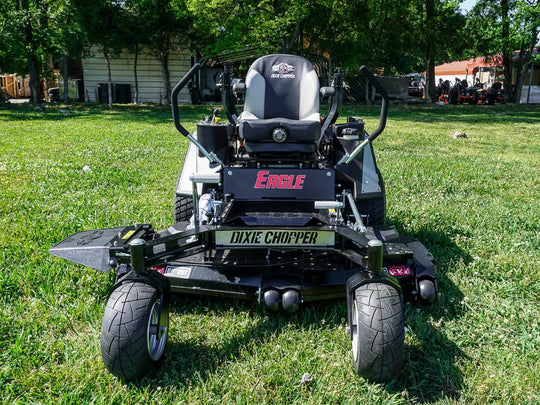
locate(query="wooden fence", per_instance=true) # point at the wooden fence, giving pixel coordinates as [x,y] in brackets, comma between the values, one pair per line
[15,86]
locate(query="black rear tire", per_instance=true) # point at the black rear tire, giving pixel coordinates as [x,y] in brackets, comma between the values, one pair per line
[134,330]
[453,96]
[183,208]
[374,208]
[377,332]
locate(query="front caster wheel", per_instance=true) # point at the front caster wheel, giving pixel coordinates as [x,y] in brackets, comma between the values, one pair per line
[377,331]
[134,330]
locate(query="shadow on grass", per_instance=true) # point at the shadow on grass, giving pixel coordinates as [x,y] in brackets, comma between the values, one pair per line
[430,372]
[466,114]
[187,363]
[189,114]
[143,113]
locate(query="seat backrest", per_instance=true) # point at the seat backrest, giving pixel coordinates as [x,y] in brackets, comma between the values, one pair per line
[282,86]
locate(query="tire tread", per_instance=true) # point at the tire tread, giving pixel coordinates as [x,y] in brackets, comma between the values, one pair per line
[374,208]
[123,331]
[183,208]
[380,330]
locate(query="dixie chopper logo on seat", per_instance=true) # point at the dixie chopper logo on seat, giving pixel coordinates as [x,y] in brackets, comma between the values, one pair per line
[283,71]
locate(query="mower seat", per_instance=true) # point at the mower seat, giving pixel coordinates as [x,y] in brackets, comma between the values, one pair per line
[281,111]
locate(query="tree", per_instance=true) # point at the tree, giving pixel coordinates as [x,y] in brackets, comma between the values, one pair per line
[68,40]
[139,30]
[365,33]
[28,27]
[103,24]
[169,28]
[24,30]
[12,55]
[503,27]
[267,26]
[33,33]
[397,36]
[528,13]
[438,27]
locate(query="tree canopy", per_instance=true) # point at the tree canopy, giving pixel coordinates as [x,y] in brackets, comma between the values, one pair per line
[379,33]
[504,27]
[394,36]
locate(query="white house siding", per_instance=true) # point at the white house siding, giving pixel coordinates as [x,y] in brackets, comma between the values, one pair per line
[151,87]
[534,96]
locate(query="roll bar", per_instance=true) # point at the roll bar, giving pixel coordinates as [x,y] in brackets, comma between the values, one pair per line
[211,156]
[228,96]
[384,107]
[335,107]
[174,95]
[348,158]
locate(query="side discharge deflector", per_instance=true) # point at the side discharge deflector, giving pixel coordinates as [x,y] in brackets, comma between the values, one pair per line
[91,248]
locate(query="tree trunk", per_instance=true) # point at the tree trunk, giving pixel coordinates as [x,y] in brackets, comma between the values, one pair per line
[430,95]
[31,55]
[525,63]
[65,76]
[135,76]
[368,87]
[521,71]
[287,44]
[519,84]
[166,75]
[506,52]
[530,83]
[430,89]
[109,76]
[35,93]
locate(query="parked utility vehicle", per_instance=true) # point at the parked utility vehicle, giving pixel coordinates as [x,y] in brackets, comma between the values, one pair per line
[277,205]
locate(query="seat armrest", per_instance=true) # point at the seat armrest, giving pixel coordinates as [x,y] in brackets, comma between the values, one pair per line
[239,87]
[327,91]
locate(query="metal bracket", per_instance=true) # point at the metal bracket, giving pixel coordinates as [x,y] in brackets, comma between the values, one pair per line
[359,226]
[348,158]
[208,178]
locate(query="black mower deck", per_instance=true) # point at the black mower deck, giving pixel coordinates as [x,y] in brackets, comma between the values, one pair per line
[205,261]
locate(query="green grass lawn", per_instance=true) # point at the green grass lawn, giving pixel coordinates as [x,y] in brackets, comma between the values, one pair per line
[475,203]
